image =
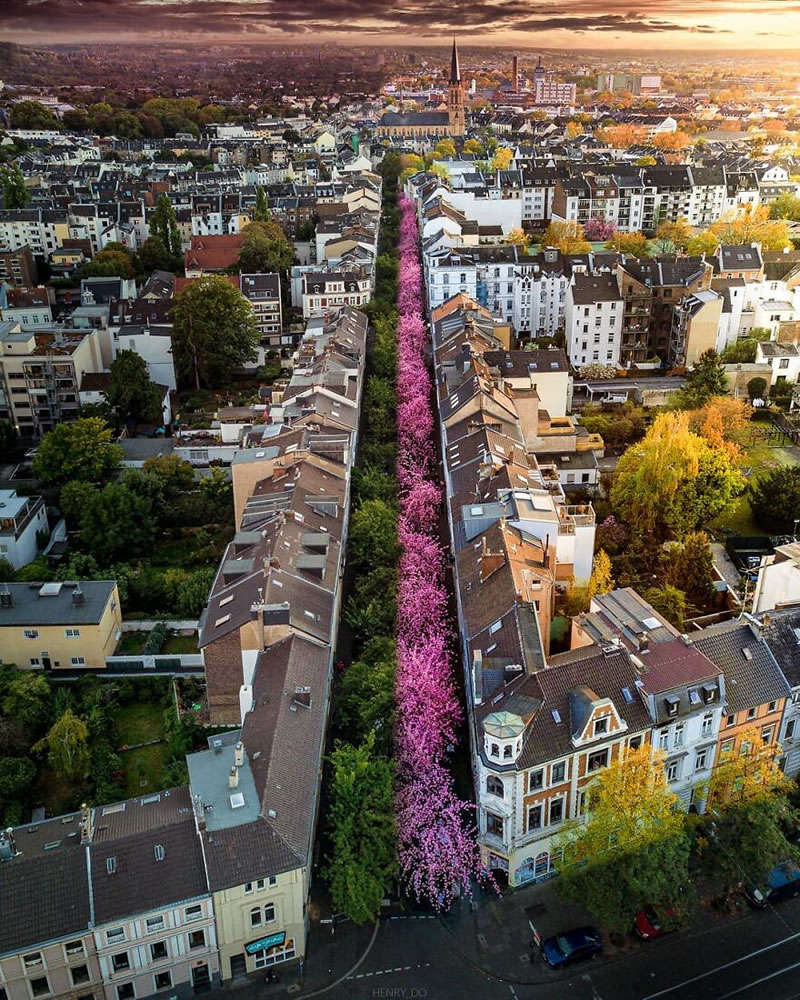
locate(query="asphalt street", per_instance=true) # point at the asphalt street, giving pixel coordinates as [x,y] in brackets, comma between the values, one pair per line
[753,957]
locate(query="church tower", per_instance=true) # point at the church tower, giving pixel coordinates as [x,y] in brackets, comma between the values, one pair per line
[456,115]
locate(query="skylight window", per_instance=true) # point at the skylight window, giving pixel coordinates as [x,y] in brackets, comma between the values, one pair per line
[221,621]
[226,600]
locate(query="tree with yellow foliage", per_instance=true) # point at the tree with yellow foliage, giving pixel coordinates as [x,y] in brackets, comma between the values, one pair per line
[518,237]
[502,158]
[568,237]
[671,141]
[677,234]
[723,422]
[444,149]
[600,582]
[633,244]
[622,136]
[573,130]
[749,810]
[473,147]
[632,851]
[702,243]
[672,481]
[752,226]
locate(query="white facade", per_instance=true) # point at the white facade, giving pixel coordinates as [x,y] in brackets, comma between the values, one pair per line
[593,331]
[778,579]
[21,518]
[447,274]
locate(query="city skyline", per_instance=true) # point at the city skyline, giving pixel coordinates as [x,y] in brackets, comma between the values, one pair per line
[649,25]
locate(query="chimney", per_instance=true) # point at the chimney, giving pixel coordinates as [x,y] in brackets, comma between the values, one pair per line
[233,777]
[238,754]
[86,826]
[199,812]
[78,597]
[490,561]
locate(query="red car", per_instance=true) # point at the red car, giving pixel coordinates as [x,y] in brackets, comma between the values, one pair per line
[648,924]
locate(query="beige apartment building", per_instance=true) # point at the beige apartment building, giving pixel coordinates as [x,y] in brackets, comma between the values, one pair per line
[41,373]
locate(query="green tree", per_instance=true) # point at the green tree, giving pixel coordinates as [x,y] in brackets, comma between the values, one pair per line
[116,522]
[775,499]
[265,249]
[361,830]
[125,125]
[373,535]
[632,851]
[27,700]
[365,699]
[73,499]
[67,745]
[76,120]
[705,242]
[153,256]
[757,387]
[705,380]
[669,602]
[370,483]
[16,774]
[175,475]
[131,392]
[672,481]
[740,352]
[261,212]
[79,450]
[371,606]
[113,261]
[163,224]
[785,206]
[15,193]
[214,331]
[691,568]
[33,115]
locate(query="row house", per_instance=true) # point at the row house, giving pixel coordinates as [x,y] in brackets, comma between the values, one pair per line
[263,292]
[323,291]
[593,320]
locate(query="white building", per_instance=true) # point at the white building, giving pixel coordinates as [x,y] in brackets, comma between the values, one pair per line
[21,519]
[593,320]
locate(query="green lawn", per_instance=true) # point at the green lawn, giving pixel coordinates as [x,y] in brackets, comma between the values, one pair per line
[139,722]
[738,518]
[180,644]
[131,643]
[143,769]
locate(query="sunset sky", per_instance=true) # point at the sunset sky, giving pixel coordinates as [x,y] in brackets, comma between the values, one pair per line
[622,24]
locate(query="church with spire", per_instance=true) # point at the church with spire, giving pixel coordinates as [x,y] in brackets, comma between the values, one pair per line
[431,124]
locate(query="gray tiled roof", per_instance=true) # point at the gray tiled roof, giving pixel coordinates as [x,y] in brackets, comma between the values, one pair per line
[784,641]
[751,679]
[31,607]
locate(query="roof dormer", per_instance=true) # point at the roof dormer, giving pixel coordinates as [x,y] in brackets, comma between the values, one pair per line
[592,717]
[502,737]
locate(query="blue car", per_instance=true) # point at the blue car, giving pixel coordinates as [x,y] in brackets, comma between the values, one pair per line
[572,946]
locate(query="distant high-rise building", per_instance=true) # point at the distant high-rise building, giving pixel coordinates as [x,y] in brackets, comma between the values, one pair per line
[547,91]
[515,74]
[539,73]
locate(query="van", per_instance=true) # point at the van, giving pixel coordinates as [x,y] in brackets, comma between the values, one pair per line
[782,882]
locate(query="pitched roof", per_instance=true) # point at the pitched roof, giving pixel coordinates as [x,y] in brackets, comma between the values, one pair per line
[752,675]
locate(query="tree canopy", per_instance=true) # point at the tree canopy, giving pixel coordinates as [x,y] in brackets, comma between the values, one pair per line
[163,225]
[81,450]
[775,499]
[214,331]
[568,237]
[15,193]
[673,481]
[265,249]
[704,381]
[131,391]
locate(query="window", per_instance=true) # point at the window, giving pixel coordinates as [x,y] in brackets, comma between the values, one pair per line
[494,786]
[158,951]
[120,961]
[789,729]
[272,881]
[556,811]
[535,780]
[72,633]
[730,720]
[635,742]
[78,661]
[40,987]
[80,974]
[248,888]
[508,752]
[125,991]
[494,824]
[766,734]
[673,770]
[255,917]
[597,760]
[33,960]
[772,707]
[31,633]
[155,924]
[534,818]
[727,746]
[700,760]
[751,713]
[600,726]
[280,953]
[558,772]
[495,750]
[193,912]
[663,739]
[73,948]
[679,735]
[163,980]
[117,934]
[197,939]
[708,724]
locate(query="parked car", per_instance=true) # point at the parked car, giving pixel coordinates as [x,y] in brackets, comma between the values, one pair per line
[649,923]
[782,882]
[572,946]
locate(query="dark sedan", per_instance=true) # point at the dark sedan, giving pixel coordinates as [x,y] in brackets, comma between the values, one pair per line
[572,946]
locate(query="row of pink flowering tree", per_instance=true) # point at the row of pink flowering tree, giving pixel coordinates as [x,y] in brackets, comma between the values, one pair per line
[437,850]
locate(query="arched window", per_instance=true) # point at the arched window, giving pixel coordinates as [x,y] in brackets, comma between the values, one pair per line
[507,753]
[542,864]
[494,786]
[495,750]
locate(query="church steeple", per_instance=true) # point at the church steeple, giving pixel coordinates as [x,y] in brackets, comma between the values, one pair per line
[456,115]
[455,69]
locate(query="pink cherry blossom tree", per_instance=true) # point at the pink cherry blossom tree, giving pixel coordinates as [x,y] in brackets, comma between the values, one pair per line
[437,848]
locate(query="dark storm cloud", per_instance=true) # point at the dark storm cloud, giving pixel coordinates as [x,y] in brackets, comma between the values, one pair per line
[275,17]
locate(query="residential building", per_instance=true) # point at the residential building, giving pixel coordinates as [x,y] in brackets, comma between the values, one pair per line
[59,626]
[549,91]
[778,582]
[783,359]
[593,320]
[211,254]
[22,521]
[18,267]
[695,327]
[263,292]
[30,307]
[780,629]
[325,292]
